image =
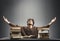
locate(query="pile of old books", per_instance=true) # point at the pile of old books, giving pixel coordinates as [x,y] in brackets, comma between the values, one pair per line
[15,32]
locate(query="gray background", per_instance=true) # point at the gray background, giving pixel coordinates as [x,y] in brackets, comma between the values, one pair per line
[18,11]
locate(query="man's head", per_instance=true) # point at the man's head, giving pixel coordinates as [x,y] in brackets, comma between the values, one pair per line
[30,21]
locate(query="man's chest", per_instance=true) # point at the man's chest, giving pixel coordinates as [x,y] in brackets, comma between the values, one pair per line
[30,30]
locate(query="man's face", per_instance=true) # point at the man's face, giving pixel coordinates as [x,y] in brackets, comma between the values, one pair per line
[30,22]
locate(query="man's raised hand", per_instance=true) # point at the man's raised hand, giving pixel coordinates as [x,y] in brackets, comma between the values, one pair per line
[5,19]
[52,21]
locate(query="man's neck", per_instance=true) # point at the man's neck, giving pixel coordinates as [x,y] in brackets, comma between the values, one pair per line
[30,26]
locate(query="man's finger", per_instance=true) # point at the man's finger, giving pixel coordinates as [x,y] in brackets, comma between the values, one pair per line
[55,18]
[3,16]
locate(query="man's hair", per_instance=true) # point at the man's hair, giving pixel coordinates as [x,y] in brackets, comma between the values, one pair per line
[31,19]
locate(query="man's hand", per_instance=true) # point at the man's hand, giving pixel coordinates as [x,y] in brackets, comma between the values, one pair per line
[5,19]
[27,36]
[52,21]
[30,35]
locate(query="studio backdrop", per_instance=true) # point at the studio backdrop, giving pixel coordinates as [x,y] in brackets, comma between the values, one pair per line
[18,11]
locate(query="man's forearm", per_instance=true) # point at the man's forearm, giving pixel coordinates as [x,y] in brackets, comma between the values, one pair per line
[50,23]
[13,25]
[47,26]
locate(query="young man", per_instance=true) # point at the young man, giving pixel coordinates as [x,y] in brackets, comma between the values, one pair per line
[30,30]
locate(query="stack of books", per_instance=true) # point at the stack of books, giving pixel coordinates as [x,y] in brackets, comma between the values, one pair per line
[15,32]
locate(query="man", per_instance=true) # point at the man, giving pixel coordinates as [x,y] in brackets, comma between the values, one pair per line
[30,30]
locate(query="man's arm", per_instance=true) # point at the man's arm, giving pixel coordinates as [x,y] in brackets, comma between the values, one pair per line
[49,24]
[11,24]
